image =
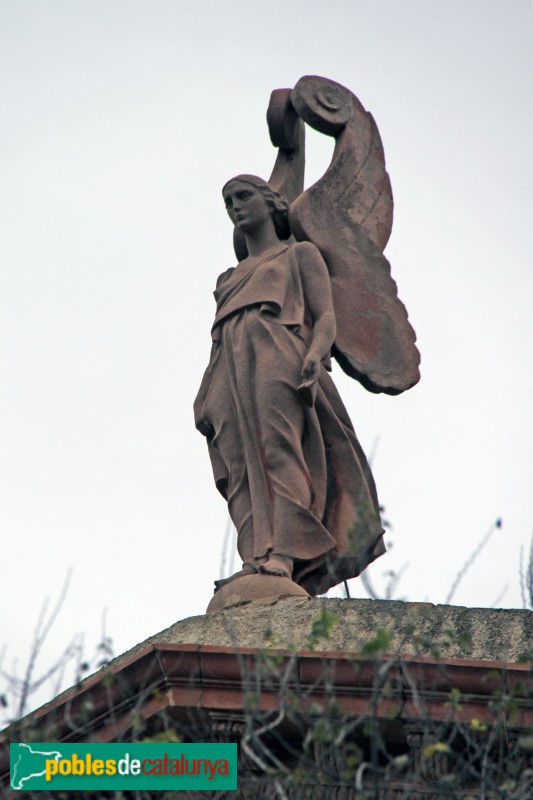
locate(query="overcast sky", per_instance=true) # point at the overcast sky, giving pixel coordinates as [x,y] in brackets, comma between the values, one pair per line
[122,119]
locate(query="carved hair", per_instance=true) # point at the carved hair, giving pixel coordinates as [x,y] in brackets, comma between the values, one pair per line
[278,205]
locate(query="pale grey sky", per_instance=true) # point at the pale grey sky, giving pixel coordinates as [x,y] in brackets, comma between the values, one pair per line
[121,121]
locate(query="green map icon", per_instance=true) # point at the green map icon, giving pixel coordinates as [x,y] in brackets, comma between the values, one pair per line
[27,763]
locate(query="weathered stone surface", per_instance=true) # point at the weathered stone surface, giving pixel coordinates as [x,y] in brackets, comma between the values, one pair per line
[415,628]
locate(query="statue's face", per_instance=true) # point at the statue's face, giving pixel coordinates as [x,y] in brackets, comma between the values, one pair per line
[246,205]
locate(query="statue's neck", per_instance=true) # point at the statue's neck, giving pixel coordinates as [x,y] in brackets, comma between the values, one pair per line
[262,239]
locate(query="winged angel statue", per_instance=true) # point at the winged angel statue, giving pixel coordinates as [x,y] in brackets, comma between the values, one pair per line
[311,282]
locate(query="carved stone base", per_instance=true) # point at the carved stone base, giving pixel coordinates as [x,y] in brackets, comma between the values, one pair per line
[254,587]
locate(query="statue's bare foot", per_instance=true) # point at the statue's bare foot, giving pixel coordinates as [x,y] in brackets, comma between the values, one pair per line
[247,569]
[278,565]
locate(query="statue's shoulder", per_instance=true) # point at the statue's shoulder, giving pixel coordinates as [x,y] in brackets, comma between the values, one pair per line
[224,276]
[305,249]
[307,254]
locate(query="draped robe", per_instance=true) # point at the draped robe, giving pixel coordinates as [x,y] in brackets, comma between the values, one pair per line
[295,478]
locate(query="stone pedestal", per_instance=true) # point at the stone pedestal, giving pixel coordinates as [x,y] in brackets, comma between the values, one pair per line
[328,699]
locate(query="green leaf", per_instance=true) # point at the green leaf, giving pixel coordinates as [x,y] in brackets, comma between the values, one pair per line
[464,640]
[439,747]
[380,642]
[322,627]
[526,743]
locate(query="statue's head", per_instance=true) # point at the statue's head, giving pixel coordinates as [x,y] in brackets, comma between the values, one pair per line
[276,203]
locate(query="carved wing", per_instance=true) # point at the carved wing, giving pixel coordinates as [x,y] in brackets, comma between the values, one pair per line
[347,214]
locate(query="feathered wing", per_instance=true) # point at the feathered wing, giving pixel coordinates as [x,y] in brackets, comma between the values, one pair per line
[347,214]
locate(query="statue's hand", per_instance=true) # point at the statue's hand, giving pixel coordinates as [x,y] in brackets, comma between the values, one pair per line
[310,371]
[310,374]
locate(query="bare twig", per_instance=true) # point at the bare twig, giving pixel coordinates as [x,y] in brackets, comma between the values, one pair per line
[394,579]
[42,630]
[468,563]
[496,602]
[369,589]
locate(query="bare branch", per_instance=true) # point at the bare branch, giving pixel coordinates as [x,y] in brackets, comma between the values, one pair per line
[468,563]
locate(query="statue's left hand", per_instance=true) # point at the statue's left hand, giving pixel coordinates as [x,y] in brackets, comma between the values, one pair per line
[310,371]
[310,374]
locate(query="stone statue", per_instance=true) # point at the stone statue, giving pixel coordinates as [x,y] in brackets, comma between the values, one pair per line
[311,282]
